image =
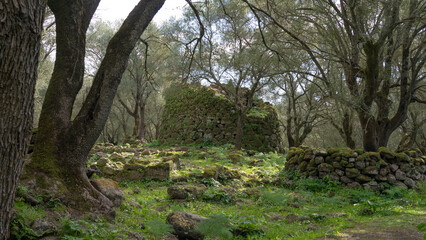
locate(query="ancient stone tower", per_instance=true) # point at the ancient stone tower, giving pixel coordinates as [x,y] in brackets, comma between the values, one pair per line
[197,114]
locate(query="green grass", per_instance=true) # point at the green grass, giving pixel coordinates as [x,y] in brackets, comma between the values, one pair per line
[249,213]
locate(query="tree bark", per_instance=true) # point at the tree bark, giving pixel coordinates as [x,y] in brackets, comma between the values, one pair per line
[239,131]
[20,34]
[62,145]
[142,124]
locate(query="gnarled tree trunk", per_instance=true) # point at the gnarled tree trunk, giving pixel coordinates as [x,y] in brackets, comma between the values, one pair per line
[20,33]
[62,145]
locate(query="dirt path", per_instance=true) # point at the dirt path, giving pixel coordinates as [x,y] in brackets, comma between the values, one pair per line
[397,227]
[380,233]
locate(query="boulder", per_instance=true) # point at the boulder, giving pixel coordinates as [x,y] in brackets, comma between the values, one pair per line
[135,175]
[226,173]
[102,162]
[184,225]
[345,179]
[391,178]
[182,149]
[363,179]
[353,185]
[400,184]
[319,160]
[211,172]
[371,170]
[400,175]
[110,189]
[360,164]
[381,178]
[146,152]
[184,191]
[42,227]
[337,165]
[410,183]
[334,177]
[175,159]
[118,158]
[321,153]
[160,171]
[394,167]
[340,172]
[386,154]
[102,155]
[373,186]
[384,171]
[352,172]
[108,170]
[132,166]
[325,167]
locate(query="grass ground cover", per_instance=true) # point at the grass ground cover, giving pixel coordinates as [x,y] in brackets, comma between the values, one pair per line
[247,207]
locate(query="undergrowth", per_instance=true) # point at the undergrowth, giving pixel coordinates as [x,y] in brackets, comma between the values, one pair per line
[296,208]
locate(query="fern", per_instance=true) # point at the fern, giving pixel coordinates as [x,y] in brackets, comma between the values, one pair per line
[158,228]
[216,227]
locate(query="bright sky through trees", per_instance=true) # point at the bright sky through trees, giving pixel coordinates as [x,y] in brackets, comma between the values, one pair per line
[112,10]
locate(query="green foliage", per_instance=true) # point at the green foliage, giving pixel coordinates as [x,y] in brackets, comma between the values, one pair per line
[154,143]
[53,203]
[258,112]
[358,195]
[247,226]
[88,230]
[210,182]
[255,209]
[28,213]
[158,228]
[274,198]
[207,142]
[217,195]
[395,192]
[20,230]
[72,229]
[317,185]
[291,175]
[375,205]
[217,226]
[21,190]
[422,228]
[94,158]
[271,159]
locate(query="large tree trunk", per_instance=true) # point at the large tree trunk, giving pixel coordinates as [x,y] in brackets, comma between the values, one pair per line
[239,131]
[136,127]
[62,145]
[370,139]
[20,31]
[346,129]
[142,124]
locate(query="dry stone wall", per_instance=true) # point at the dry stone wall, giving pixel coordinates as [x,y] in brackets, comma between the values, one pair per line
[371,170]
[200,114]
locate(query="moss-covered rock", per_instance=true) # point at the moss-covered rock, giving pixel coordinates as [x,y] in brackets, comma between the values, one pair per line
[211,172]
[371,170]
[352,172]
[325,167]
[184,191]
